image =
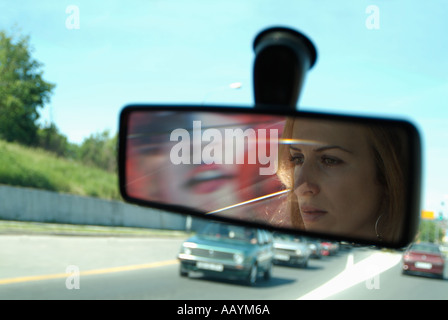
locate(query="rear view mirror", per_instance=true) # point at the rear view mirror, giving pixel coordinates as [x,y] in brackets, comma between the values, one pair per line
[340,177]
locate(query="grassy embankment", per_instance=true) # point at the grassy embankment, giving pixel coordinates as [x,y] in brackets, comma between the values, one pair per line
[36,168]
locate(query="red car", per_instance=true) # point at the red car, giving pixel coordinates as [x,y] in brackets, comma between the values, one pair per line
[329,248]
[423,258]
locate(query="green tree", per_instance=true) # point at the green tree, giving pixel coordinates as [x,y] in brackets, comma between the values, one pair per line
[431,231]
[50,139]
[22,90]
[100,150]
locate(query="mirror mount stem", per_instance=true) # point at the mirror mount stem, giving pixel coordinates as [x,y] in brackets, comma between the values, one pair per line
[282,58]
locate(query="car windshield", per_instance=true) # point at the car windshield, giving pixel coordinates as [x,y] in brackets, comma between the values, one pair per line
[229,232]
[67,68]
[429,248]
[286,237]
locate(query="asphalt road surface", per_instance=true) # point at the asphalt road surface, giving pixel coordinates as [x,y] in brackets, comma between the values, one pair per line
[70,267]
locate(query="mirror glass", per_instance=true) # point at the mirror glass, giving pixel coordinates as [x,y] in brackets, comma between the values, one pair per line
[321,175]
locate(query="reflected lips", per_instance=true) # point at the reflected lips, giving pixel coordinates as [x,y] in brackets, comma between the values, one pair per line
[207,179]
[311,214]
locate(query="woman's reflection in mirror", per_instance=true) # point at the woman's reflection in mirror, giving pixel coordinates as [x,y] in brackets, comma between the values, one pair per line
[345,179]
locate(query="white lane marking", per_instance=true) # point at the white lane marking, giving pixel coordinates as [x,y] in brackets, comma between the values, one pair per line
[354,274]
[350,261]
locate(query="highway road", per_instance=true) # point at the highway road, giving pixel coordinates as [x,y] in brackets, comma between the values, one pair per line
[80,267]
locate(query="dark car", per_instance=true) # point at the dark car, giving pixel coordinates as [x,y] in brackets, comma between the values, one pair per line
[423,259]
[228,251]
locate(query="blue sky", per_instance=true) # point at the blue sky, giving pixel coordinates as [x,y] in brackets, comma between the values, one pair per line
[190,51]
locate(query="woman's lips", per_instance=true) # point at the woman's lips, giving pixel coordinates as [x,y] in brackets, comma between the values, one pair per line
[207,178]
[311,213]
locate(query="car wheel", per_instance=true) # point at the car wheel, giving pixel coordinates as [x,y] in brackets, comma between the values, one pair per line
[304,264]
[268,272]
[183,272]
[253,274]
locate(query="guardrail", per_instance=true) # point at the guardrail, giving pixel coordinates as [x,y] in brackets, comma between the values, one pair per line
[27,204]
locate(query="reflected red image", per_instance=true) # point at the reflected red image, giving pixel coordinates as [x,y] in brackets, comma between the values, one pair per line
[227,188]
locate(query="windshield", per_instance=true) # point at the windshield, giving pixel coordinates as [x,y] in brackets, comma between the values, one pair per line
[429,248]
[286,237]
[229,232]
[68,68]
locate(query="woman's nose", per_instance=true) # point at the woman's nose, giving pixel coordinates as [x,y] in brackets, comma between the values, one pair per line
[306,180]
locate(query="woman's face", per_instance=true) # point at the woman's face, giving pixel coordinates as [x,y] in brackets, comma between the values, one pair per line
[335,178]
[211,182]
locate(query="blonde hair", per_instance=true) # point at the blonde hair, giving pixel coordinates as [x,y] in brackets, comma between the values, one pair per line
[388,148]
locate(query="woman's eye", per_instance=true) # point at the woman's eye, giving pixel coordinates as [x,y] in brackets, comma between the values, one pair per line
[330,161]
[297,159]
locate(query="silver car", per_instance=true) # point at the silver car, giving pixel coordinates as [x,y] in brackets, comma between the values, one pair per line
[291,250]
